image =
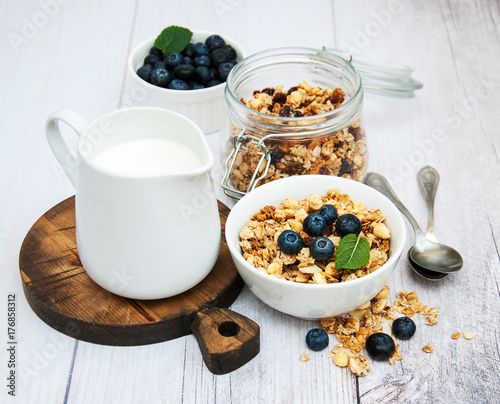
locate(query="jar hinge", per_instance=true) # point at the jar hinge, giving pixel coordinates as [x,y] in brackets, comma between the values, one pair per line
[262,167]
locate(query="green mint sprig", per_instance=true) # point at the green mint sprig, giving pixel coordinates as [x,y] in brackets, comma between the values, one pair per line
[173,39]
[352,252]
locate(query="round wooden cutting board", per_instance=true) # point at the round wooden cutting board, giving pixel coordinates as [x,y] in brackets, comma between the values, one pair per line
[60,292]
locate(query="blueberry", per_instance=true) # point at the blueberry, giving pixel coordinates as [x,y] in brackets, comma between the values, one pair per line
[224,69]
[347,224]
[403,328]
[202,75]
[178,84]
[160,65]
[290,242]
[213,82]
[160,77]
[155,51]
[233,61]
[199,48]
[152,59]
[214,74]
[219,55]
[202,60]
[231,52]
[314,224]
[173,60]
[144,72]
[184,72]
[188,50]
[322,248]
[329,212]
[193,85]
[380,346]
[188,60]
[214,42]
[317,339]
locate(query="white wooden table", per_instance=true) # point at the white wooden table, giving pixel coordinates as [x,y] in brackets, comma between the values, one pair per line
[72,54]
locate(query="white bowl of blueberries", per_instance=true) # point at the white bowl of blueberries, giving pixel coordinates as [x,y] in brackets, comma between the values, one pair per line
[190,80]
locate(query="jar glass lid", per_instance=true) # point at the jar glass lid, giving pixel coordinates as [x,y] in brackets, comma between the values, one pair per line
[381,77]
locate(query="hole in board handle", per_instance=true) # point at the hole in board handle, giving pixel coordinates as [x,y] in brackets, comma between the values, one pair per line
[229,329]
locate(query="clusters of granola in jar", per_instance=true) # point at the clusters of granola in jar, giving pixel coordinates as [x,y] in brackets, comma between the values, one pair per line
[342,152]
[258,239]
[298,101]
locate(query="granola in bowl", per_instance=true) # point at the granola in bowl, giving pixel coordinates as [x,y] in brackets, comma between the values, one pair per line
[260,246]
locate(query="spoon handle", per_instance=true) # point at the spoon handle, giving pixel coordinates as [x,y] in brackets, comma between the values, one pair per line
[428,180]
[379,182]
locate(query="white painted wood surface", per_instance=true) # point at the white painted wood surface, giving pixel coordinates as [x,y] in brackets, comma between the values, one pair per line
[72,54]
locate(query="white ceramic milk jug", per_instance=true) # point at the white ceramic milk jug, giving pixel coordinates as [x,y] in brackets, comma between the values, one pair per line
[147,222]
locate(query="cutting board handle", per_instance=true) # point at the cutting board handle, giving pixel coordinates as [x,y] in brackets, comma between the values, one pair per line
[227,339]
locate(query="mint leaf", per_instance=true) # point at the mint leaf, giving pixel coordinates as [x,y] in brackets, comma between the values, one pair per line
[352,253]
[173,39]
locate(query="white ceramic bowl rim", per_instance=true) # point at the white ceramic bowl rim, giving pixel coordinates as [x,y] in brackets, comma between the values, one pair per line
[394,257]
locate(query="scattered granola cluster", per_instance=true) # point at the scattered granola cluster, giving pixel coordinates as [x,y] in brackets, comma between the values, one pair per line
[342,152]
[375,316]
[258,239]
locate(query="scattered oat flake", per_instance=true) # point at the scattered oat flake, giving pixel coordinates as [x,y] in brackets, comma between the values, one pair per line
[428,348]
[456,335]
[397,356]
[402,294]
[304,357]
[341,358]
[469,335]
[359,365]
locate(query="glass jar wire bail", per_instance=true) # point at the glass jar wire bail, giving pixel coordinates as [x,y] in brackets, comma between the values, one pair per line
[239,142]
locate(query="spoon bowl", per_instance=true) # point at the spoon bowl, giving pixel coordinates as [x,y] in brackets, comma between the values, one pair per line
[425,273]
[435,257]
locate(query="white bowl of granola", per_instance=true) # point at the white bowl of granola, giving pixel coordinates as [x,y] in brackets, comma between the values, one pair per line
[299,285]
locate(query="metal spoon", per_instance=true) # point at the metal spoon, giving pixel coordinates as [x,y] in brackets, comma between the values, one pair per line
[428,180]
[427,254]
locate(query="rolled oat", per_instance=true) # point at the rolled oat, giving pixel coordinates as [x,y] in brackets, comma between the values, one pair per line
[340,356]
[428,348]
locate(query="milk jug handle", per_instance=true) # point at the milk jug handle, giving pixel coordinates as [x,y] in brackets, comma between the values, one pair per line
[57,143]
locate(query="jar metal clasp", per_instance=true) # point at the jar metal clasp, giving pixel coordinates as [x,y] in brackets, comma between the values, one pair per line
[261,170]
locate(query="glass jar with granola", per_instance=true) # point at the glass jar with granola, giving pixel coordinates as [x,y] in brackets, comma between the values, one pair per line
[292,111]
